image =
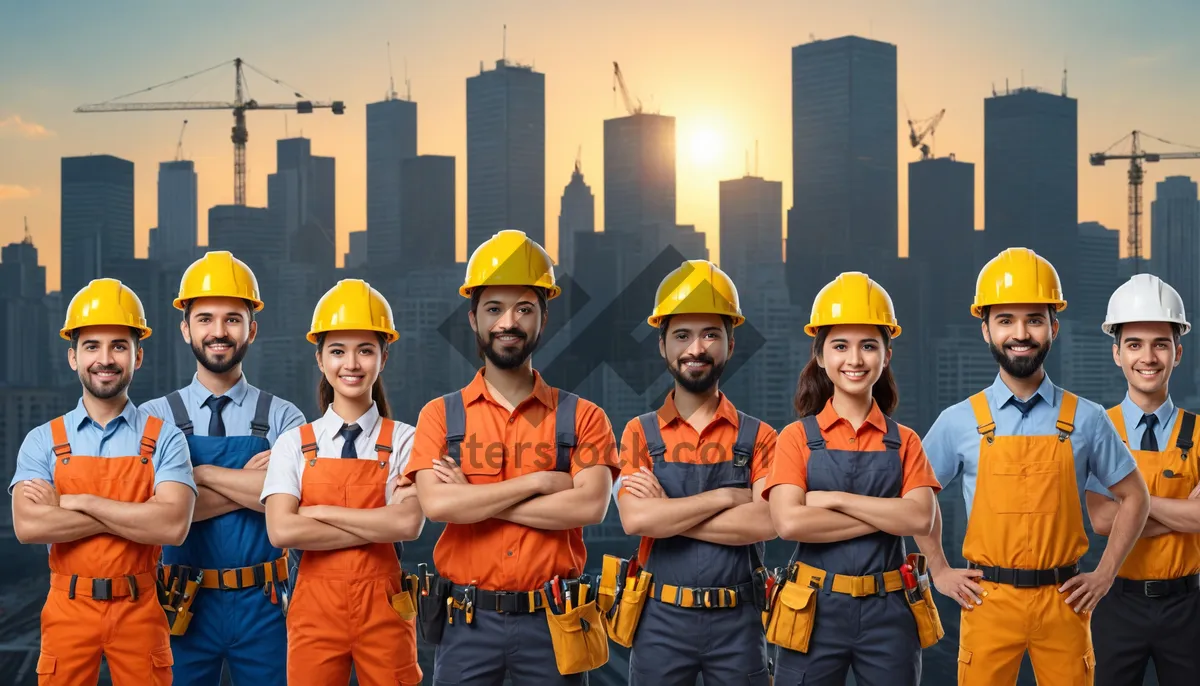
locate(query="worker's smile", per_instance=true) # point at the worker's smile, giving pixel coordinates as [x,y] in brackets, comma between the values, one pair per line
[352,379]
[1022,348]
[109,373]
[854,374]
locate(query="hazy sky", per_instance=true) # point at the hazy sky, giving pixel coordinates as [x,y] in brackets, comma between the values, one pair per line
[722,70]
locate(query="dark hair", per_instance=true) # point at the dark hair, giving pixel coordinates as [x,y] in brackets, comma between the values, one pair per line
[378,393]
[1174,333]
[665,324]
[134,334]
[187,309]
[815,388]
[986,312]
[477,295]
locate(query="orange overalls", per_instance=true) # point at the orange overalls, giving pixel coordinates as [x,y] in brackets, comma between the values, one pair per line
[341,603]
[1026,516]
[103,598]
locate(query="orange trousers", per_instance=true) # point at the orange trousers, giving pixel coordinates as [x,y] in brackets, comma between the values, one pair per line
[131,635]
[333,622]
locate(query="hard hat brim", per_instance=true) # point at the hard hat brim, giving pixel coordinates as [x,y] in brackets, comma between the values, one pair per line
[894,330]
[181,303]
[656,319]
[390,335]
[145,331]
[1059,305]
[551,292]
[1109,327]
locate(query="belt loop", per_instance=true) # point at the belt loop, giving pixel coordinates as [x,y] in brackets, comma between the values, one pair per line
[71,589]
[880,585]
[133,587]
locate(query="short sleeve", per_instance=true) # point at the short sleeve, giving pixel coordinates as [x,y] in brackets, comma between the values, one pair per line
[285,416]
[33,458]
[940,451]
[764,452]
[172,458]
[402,442]
[1109,460]
[1093,485]
[790,465]
[283,469]
[595,444]
[429,441]
[918,473]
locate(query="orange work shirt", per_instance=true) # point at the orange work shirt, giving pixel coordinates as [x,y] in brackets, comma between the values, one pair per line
[496,554]
[712,445]
[791,463]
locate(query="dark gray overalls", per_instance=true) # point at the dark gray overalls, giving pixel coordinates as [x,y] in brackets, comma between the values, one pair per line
[876,635]
[726,644]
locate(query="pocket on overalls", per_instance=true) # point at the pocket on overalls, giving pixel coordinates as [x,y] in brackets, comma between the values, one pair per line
[579,637]
[405,602]
[791,621]
[46,666]
[1025,487]
[161,662]
[629,612]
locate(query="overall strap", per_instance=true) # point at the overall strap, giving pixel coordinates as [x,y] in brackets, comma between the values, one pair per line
[1187,427]
[747,435]
[564,430]
[383,442]
[1066,416]
[308,441]
[891,439]
[1118,420]
[179,412]
[456,424]
[654,439]
[812,432]
[983,416]
[261,424]
[58,433]
[150,435]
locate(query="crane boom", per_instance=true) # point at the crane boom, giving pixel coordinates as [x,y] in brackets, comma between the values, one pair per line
[239,106]
[619,79]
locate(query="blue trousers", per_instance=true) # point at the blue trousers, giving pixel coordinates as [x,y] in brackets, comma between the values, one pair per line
[480,653]
[242,627]
[674,644]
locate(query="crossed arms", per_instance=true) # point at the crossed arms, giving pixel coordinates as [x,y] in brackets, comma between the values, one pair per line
[42,515]
[1166,514]
[830,516]
[726,516]
[330,527]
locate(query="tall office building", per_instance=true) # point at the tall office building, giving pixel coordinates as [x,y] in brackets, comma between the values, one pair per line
[639,172]
[96,218]
[941,232]
[844,159]
[428,216]
[253,234]
[1174,256]
[751,228]
[577,214]
[23,357]
[175,237]
[391,139]
[301,196]
[506,152]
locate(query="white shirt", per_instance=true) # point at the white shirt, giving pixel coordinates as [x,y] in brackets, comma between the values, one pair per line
[285,469]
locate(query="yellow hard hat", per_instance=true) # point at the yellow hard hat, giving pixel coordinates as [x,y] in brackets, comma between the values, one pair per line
[218,275]
[105,302]
[853,298]
[696,287]
[352,305]
[510,258]
[1018,276]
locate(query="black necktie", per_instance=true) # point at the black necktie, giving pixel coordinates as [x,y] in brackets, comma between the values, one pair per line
[216,425]
[349,433]
[1149,440]
[1025,405]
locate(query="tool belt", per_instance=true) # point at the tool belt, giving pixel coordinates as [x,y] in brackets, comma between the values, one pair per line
[1158,588]
[245,577]
[879,584]
[177,588]
[1027,578]
[706,597]
[624,587]
[130,585]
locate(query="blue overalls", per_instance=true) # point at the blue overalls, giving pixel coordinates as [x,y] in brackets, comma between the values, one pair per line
[241,625]
[677,636]
[875,635]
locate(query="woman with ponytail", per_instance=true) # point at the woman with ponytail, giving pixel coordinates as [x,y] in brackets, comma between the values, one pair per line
[350,602]
[847,484]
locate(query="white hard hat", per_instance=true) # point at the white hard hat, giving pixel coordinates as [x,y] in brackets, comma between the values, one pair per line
[1145,298]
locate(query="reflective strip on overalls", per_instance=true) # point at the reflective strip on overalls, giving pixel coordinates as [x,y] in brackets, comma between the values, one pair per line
[103,599]
[874,635]
[724,641]
[1026,533]
[340,612]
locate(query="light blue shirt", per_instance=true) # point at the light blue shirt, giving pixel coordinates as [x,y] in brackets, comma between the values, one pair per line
[1134,429]
[121,438]
[237,415]
[952,443]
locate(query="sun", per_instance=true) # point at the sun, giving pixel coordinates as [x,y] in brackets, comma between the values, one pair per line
[706,146]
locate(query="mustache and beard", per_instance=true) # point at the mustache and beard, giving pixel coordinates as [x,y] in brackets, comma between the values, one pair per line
[1021,367]
[105,390]
[507,356]
[698,381]
[219,363]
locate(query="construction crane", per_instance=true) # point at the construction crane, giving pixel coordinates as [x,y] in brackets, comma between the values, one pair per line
[179,145]
[619,82]
[239,106]
[1137,156]
[916,138]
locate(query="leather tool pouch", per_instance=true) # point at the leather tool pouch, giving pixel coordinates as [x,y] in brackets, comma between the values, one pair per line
[431,607]
[405,602]
[177,589]
[920,601]
[579,637]
[629,611]
[791,618]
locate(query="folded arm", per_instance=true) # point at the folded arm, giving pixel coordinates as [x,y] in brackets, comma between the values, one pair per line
[1177,514]
[467,503]
[287,528]
[741,525]
[38,522]
[165,519]
[908,515]
[794,520]
[1102,511]
[241,486]
[211,504]
[402,520]
[663,517]
[584,504]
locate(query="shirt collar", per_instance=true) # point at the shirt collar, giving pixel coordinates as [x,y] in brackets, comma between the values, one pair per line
[1002,395]
[79,416]
[478,389]
[828,416]
[237,393]
[725,410]
[1133,413]
[331,422]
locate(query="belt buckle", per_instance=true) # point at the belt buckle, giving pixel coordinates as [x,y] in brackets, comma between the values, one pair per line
[858,587]
[1148,585]
[101,589]
[1025,578]
[221,579]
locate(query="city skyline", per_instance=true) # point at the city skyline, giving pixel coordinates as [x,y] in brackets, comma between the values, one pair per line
[724,96]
